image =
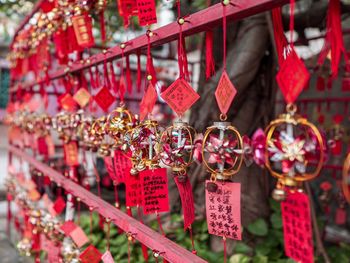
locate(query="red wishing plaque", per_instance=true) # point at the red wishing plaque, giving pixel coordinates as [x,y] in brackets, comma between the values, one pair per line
[67,102]
[292,77]
[104,99]
[148,101]
[117,166]
[186,195]
[146,12]
[59,205]
[223,209]
[107,257]
[90,255]
[122,166]
[180,96]
[225,93]
[71,153]
[53,251]
[133,194]
[68,227]
[297,228]
[82,25]
[79,237]
[154,191]
[42,146]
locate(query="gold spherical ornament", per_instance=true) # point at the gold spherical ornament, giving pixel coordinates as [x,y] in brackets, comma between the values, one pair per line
[222,150]
[292,143]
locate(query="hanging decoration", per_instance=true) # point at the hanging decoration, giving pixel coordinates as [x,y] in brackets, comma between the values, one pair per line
[292,142]
[222,154]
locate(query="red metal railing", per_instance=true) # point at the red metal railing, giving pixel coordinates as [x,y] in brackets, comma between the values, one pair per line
[155,241]
[198,22]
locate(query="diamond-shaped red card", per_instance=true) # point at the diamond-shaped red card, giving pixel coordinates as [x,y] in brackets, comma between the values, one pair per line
[148,101]
[82,97]
[104,99]
[59,205]
[90,255]
[68,227]
[292,77]
[180,96]
[225,93]
[67,102]
[79,237]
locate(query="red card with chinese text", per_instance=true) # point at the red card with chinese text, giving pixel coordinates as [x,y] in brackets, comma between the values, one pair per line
[225,93]
[180,96]
[122,166]
[90,255]
[297,228]
[79,237]
[292,77]
[146,12]
[133,193]
[82,25]
[223,209]
[154,185]
[71,153]
[59,205]
[186,195]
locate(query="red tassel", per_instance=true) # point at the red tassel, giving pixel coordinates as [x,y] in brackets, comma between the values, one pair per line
[114,80]
[107,82]
[97,77]
[334,39]
[209,59]
[138,71]
[92,81]
[320,84]
[128,75]
[103,28]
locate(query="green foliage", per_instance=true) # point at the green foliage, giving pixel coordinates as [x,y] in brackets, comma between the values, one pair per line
[267,245]
[258,228]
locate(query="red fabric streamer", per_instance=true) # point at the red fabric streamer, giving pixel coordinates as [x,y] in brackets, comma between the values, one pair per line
[209,58]
[103,28]
[334,39]
[107,81]
[138,83]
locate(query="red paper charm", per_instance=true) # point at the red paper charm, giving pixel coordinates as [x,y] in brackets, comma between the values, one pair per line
[82,25]
[59,205]
[180,96]
[154,191]
[104,99]
[107,257]
[90,255]
[223,209]
[292,77]
[225,93]
[67,102]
